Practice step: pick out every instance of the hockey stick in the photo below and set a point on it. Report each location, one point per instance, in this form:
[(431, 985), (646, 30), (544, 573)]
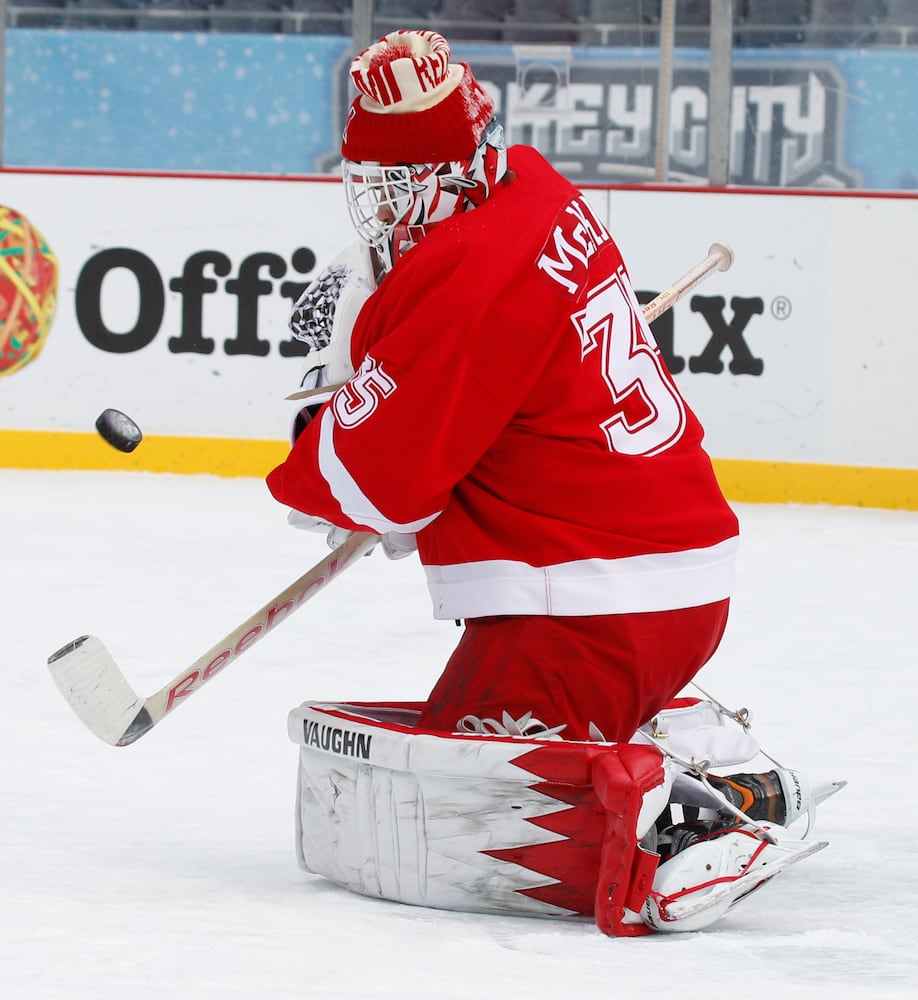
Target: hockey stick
[(719, 258), (91, 682)]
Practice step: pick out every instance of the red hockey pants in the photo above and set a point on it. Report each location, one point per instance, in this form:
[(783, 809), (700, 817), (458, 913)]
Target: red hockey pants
[(616, 671)]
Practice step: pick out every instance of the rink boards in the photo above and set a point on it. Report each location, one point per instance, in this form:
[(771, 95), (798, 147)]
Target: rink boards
[(174, 293)]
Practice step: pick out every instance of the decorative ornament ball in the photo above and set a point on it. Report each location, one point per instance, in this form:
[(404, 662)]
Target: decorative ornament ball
[(28, 290)]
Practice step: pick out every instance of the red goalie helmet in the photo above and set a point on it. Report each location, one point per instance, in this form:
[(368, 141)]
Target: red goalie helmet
[(420, 143)]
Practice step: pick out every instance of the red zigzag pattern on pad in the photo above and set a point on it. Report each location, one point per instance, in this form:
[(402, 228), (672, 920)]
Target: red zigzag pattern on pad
[(603, 789)]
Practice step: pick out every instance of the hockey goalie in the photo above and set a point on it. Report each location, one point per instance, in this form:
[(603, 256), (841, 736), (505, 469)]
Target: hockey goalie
[(487, 392)]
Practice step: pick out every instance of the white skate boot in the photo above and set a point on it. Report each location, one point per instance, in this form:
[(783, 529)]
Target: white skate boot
[(697, 885)]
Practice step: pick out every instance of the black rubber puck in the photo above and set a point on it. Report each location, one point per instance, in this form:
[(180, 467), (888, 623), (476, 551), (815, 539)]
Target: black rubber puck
[(119, 430)]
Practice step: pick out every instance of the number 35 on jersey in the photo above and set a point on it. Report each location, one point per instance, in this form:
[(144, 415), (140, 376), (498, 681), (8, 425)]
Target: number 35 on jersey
[(646, 412)]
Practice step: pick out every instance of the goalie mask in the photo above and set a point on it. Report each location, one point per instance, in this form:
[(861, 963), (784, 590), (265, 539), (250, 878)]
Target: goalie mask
[(420, 144), (393, 206)]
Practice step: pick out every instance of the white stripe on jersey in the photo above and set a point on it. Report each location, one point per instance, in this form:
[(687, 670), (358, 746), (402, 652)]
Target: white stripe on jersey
[(662, 581), (354, 502)]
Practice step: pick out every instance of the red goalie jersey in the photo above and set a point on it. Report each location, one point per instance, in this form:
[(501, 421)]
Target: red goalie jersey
[(512, 408)]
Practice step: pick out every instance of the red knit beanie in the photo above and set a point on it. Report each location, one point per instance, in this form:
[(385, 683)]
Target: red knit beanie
[(414, 105)]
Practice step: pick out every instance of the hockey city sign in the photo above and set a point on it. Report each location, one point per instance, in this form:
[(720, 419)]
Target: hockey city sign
[(786, 124)]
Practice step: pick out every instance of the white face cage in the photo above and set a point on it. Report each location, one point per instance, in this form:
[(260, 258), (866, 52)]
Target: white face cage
[(391, 206), (378, 198)]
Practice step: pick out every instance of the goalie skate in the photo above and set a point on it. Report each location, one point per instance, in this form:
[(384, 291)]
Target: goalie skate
[(696, 887)]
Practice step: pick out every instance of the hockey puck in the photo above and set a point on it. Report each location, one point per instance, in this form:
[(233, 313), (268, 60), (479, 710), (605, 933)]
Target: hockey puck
[(119, 430)]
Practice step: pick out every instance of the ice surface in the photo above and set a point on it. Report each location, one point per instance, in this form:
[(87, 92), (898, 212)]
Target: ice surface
[(167, 869)]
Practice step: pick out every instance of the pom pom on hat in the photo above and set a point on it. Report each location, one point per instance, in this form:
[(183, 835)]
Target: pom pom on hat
[(415, 106)]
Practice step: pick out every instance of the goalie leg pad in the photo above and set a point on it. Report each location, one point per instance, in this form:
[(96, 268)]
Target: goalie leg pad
[(491, 824)]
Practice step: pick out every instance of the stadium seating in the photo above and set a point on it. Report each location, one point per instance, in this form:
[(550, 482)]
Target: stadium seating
[(757, 23)]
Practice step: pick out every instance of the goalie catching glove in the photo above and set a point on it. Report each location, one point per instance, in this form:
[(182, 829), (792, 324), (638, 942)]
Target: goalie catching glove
[(327, 310), (314, 312), (323, 319)]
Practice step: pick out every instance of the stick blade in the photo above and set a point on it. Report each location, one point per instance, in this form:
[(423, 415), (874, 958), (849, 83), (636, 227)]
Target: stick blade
[(94, 687)]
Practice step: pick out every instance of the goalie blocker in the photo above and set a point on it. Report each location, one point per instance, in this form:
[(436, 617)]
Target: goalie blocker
[(528, 826)]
